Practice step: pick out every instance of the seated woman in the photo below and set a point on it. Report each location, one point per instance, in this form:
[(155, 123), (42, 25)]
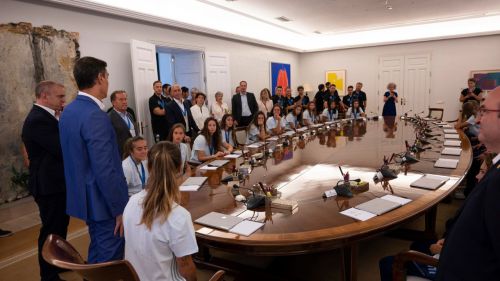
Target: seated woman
[(159, 231), (331, 113), (310, 117), (135, 153), (276, 124), (257, 130), (227, 131), (355, 111), (292, 118), (208, 144), (176, 136)]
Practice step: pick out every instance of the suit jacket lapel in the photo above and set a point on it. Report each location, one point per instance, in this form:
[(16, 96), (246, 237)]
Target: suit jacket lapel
[(44, 112)]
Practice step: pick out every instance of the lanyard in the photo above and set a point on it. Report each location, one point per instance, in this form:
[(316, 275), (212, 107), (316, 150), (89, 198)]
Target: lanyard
[(142, 175), (331, 114), (162, 103), (313, 117), (227, 136), (128, 122), (211, 148)]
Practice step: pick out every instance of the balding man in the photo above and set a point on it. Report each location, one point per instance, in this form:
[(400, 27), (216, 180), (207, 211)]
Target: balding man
[(179, 111), (244, 106), (46, 182), (471, 250), (121, 120)]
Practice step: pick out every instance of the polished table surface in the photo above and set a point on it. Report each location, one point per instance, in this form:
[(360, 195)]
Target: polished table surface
[(308, 167)]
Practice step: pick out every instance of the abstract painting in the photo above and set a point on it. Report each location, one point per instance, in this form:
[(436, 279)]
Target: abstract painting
[(280, 76), (337, 77), (486, 79)]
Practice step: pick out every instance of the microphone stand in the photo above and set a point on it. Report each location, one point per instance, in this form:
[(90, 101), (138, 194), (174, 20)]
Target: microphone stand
[(253, 202)]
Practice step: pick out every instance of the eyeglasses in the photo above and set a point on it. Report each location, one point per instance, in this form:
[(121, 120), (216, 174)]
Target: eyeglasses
[(482, 111)]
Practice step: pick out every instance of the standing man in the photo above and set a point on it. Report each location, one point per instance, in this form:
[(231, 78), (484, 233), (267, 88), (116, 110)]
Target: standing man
[(471, 250), (319, 98), (185, 96), (157, 104), (46, 182), (301, 99), (360, 96), (348, 99), (179, 111), (244, 106), (122, 121), (96, 187), (279, 98)]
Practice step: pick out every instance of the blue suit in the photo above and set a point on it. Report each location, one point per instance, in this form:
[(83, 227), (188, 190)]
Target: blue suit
[(95, 183)]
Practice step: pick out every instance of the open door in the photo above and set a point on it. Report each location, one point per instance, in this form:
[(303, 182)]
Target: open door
[(144, 73), (188, 70), (218, 76)]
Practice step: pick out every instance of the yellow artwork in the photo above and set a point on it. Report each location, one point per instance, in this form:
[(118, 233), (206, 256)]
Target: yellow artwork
[(337, 77)]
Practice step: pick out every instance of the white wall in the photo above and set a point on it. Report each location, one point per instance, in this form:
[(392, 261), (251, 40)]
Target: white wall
[(451, 63), (108, 38)]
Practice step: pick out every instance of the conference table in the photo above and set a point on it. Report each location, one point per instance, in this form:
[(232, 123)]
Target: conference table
[(304, 168)]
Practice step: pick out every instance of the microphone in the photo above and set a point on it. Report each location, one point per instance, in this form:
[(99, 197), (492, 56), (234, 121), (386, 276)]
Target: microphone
[(405, 115), (253, 202)]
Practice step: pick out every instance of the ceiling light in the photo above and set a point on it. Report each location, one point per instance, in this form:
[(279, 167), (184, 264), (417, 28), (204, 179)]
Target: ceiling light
[(283, 19), (388, 6)]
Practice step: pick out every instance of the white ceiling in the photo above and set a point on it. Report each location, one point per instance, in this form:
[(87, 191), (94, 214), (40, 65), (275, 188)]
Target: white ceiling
[(341, 23)]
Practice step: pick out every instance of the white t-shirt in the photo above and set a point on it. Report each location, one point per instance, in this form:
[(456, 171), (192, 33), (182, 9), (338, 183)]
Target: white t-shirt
[(152, 252), (330, 117), (133, 174), (253, 134), (291, 119), (227, 137), (473, 126), (200, 144), (307, 116), (185, 153), (200, 114), (350, 113), (271, 123)]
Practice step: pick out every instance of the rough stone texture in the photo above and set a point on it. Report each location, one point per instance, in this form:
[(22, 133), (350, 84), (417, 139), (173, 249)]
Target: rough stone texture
[(28, 55)]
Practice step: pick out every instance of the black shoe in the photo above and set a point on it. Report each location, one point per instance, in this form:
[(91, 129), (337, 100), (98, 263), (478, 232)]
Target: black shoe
[(5, 233)]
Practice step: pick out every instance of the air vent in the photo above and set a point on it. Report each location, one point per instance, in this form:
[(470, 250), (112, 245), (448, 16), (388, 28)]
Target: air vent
[(283, 19)]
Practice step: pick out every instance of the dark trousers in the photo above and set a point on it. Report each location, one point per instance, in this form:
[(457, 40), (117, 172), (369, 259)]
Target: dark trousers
[(54, 221), (104, 245), (245, 121), (413, 268)]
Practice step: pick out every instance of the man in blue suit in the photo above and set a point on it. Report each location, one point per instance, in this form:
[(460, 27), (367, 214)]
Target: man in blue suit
[(95, 183)]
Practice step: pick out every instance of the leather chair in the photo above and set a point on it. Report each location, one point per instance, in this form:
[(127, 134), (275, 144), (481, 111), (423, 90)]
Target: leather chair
[(403, 258), (436, 113), (60, 253)]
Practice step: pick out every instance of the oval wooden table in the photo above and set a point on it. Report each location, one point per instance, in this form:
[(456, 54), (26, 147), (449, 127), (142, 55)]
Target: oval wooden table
[(308, 167)]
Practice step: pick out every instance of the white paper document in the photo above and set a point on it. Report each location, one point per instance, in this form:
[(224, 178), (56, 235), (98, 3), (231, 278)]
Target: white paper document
[(358, 214), (431, 182), (447, 126), (288, 133), (451, 151), (452, 136), (255, 145), (192, 183), (397, 199), (450, 131), (232, 156), (301, 129), (246, 227), (208, 168), (446, 163), (452, 143), (274, 138)]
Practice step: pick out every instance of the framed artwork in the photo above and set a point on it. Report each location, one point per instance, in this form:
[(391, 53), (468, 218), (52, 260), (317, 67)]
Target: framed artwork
[(337, 77), (487, 80), (280, 76)]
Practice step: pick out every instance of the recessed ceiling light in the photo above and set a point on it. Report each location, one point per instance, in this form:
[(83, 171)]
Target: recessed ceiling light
[(283, 19)]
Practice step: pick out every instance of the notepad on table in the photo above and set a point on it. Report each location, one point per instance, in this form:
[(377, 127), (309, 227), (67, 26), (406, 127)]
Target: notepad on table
[(218, 163), (358, 214), (450, 131), (246, 227), (452, 143), (431, 182), (232, 156), (446, 163), (192, 183), (255, 145), (451, 151), (288, 133), (301, 129), (452, 136), (378, 206), (396, 199)]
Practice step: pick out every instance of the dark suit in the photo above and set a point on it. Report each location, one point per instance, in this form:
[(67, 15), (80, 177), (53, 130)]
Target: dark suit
[(96, 188), (472, 248), (237, 109), (175, 115), (122, 129), (46, 182)]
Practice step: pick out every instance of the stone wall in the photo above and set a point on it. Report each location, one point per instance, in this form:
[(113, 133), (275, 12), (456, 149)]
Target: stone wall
[(28, 55)]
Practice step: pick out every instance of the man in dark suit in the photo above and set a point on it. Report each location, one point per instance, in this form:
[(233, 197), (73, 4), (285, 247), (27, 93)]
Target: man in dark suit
[(157, 104), (244, 106), (471, 250), (123, 123), (46, 182), (179, 111), (95, 184)]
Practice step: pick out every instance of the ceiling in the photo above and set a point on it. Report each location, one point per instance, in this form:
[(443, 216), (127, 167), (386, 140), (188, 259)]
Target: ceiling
[(314, 24)]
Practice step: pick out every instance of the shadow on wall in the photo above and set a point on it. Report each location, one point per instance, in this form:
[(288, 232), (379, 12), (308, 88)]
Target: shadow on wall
[(28, 55)]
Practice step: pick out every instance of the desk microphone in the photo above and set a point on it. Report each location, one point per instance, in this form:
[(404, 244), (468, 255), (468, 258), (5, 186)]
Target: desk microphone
[(405, 115), (253, 202)]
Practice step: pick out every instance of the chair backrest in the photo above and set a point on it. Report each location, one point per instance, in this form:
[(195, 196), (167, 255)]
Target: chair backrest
[(60, 253), (218, 276), (436, 113), (241, 135)]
